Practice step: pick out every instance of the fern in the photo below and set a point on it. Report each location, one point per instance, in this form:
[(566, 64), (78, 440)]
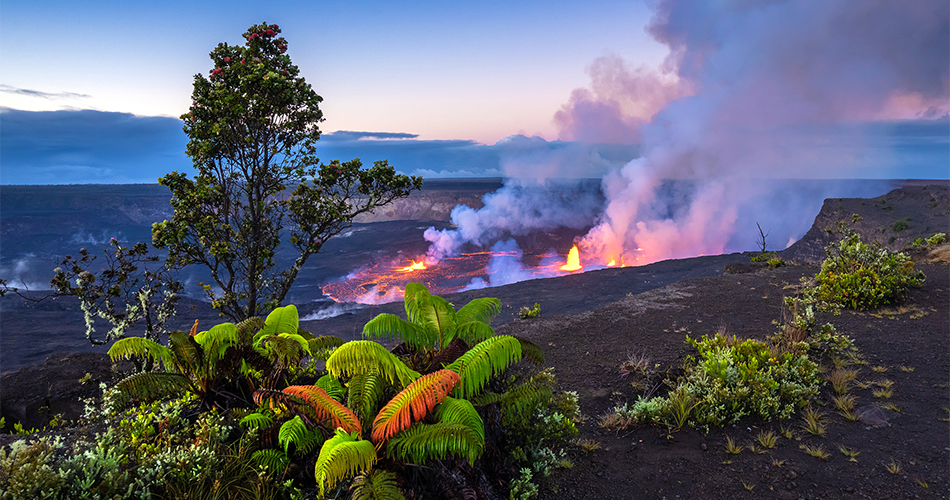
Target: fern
[(342, 456), (322, 346), (531, 352), (248, 328), (187, 353), (391, 327), (482, 310), (271, 459), (280, 320), (474, 332), (433, 313), (366, 392), (257, 421), (413, 403), (334, 388), (150, 385), (422, 442), (139, 347), (295, 432), (327, 408), (286, 348), (523, 399), (361, 356), (485, 360), (277, 401), (376, 485), (460, 411)]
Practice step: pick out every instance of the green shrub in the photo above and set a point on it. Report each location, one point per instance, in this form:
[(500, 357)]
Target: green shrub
[(899, 226), (527, 312), (861, 276), (936, 239), (733, 378)]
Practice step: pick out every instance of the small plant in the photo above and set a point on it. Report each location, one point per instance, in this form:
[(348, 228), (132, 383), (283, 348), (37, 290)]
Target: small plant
[(748, 487), (813, 422), (731, 447), (532, 312), (884, 383), (899, 226), (882, 393), (851, 453), (845, 405), (892, 407), (587, 445), (923, 484), (936, 239), (879, 369), (85, 378), (777, 463), (906, 369), (841, 379), (767, 439), (893, 467), (816, 451), (786, 432)]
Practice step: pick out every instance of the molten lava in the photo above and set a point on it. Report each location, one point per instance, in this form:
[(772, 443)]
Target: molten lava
[(415, 266), (573, 261)]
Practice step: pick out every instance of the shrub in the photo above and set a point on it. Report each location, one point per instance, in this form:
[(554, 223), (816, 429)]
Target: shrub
[(899, 226), (936, 239), (528, 312), (861, 276)]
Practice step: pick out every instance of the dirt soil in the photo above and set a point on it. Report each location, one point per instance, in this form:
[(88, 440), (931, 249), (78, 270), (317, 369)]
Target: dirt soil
[(592, 322)]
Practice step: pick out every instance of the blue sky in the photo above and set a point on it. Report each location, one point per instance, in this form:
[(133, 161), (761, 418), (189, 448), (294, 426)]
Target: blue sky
[(91, 90)]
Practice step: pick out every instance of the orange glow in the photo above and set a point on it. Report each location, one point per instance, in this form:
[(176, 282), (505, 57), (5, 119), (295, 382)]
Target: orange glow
[(612, 263), (573, 261), (416, 266)]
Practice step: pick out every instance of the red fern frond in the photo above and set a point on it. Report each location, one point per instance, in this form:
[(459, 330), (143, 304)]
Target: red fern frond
[(326, 407), (413, 403)]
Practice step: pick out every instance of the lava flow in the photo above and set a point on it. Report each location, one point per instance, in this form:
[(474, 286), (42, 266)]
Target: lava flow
[(384, 282)]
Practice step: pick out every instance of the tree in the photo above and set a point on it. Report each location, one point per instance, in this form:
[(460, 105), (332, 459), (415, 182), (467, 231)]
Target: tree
[(252, 127), (125, 291)]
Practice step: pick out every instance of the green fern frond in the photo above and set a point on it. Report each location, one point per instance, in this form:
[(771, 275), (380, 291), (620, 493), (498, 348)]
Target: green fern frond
[(531, 352), (485, 360), (150, 386), (139, 347), (334, 388), (247, 328), (280, 320), (361, 356), (474, 332), (295, 432), (343, 455), (423, 442), (365, 394), (413, 403), (392, 327), (272, 459), (376, 485), (187, 354), (257, 420), (487, 398), (327, 408), (215, 343), (482, 310), (287, 349), (322, 346), (522, 400), (437, 318), (460, 411)]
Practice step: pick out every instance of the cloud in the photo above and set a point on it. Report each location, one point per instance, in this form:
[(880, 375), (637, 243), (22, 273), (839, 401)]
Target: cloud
[(42, 95), (347, 135), (85, 146)]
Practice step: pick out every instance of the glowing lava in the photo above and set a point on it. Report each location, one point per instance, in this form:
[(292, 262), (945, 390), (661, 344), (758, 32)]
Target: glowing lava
[(573, 261), (415, 266)]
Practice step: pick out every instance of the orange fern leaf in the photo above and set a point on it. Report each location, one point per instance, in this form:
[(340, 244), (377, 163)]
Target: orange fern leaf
[(194, 329), (326, 407), (413, 403)]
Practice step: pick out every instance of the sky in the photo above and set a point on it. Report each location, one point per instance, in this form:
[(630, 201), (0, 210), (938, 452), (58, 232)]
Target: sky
[(91, 91)]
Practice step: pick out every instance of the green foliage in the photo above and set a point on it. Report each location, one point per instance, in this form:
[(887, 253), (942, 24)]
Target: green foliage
[(899, 226), (343, 455), (530, 312), (432, 323), (376, 485), (26, 471), (861, 276), (252, 129), (129, 289), (770, 258), (413, 403), (936, 239), (422, 442), (363, 356), (733, 378), (485, 360)]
